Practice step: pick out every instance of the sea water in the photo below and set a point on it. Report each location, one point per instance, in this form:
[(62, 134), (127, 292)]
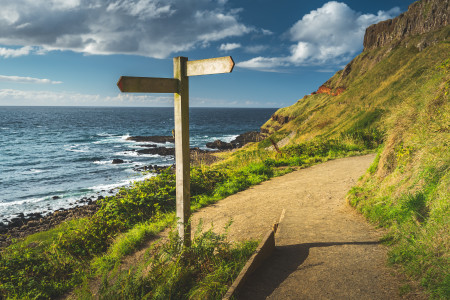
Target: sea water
[(52, 156)]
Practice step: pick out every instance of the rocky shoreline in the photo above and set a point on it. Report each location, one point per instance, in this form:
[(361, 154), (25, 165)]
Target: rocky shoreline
[(25, 224)]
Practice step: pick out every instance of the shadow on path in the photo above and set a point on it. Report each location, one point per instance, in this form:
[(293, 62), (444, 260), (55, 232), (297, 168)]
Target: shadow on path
[(284, 261)]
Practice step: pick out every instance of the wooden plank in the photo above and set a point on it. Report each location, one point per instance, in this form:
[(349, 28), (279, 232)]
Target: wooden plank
[(210, 66), (182, 157), (129, 84)]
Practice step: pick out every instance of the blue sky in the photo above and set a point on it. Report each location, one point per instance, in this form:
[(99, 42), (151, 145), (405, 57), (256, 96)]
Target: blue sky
[(72, 52)]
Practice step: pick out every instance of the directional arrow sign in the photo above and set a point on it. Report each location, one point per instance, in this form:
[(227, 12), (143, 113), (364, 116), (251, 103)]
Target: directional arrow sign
[(179, 85), (128, 84), (210, 66)]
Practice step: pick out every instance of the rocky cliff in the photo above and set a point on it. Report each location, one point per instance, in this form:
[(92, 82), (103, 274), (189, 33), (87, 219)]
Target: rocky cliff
[(323, 89), (424, 27), (422, 17)]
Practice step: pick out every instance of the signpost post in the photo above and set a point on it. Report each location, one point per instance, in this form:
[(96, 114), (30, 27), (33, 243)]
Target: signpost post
[(179, 85)]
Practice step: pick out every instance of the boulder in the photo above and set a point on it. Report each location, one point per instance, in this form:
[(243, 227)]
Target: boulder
[(220, 145), (163, 151), (152, 139)]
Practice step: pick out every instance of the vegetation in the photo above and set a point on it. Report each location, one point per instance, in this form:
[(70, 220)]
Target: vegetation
[(396, 102), (204, 270), (396, 97), (49, 264), (407, 188)]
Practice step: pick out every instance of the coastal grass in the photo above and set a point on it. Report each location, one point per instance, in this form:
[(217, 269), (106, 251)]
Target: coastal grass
[(406, 190), (203, 270), (396, 98), (51, 263)]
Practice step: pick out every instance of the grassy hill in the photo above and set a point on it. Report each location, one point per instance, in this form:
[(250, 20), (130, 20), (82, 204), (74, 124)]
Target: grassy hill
[(396, 96), (392, 99)]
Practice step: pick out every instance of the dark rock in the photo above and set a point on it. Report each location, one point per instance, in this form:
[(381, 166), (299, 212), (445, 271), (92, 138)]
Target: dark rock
[(421, 17), (245, 138), (238, 142), (34, 216), (100, 197), (152, 139), (55, 197), (152, 168), (117, 161), (33, 223), (163, 151), (220, 145)]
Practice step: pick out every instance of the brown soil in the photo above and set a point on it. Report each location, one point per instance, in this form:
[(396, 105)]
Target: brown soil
[(324, 249)]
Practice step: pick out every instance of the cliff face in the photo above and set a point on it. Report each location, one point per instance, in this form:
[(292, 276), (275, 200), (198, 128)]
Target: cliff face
[(367, 82), (422, 17), (323, 89)]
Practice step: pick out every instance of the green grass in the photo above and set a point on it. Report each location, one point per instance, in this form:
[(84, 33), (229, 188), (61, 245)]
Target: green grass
[(396, 102), (407, 188), (51, 263), (204, 270), (397, 99)]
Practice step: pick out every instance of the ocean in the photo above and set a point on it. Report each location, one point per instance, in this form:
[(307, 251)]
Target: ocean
[(50, 157)]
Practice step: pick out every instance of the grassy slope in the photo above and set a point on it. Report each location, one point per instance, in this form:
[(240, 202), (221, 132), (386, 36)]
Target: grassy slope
[(403, 94), (379, 80), (400, 92)]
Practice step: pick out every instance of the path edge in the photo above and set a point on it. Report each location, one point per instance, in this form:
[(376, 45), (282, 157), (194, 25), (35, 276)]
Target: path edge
[(263, 252)]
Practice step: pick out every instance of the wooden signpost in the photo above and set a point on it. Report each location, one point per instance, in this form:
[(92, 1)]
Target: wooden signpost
[(179, 85)]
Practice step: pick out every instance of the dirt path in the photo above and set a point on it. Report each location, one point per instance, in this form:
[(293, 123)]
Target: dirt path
[(325, 250)]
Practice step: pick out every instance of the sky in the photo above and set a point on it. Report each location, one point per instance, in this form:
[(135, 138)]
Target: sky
[(72, 52)]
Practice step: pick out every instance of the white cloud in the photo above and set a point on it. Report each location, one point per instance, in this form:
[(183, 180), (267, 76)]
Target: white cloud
[(331, 34), (20, 79), (268, 64), (266, 32), (229, 46), (14, 97), (154, 28), (20, 98), (9, 52)]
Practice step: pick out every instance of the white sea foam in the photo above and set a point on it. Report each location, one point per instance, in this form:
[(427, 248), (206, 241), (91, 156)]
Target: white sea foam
[(33, 171), (110, 138), (102, 162), (228, 138), (150, 155), (127, 153), (73, 148), (104, 134), (21, 202), (125, 137), (106, 187), (135, 154)]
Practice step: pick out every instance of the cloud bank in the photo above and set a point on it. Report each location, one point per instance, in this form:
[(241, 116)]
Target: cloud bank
[(153, 28), (20, 79), (8, 52), (20, 98), (13, 97), (332, 34)]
